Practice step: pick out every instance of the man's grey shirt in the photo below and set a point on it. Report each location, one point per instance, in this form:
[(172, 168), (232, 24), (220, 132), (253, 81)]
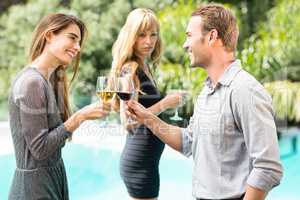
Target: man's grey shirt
[(232, 137)]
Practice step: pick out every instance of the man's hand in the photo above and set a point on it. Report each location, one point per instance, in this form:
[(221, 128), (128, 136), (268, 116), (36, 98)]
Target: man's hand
[(254, 193), (169, 134), (137, 111)]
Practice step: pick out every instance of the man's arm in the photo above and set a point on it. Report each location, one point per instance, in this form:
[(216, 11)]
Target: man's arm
[(169, 134), (170, 101), (252, 107)]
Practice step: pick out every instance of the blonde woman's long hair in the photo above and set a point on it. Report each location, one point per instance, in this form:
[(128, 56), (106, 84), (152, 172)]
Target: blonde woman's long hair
[(138, 20), (55, 22)]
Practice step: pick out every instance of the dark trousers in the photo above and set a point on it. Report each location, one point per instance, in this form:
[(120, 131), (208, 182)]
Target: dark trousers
[(239, 198)]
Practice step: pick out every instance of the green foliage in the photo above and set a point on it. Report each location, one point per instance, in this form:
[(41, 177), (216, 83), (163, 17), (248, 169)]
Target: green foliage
[(176, 76), (286, 99), (3, 111), (273, 52), (174, 71), (16, 28), (269, 43), (104, 20), (155, 5), (173, 21), (272, 56)]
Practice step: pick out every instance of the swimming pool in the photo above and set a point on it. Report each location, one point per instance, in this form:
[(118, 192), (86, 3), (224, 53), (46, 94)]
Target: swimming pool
[(92, 164), (94, 174)]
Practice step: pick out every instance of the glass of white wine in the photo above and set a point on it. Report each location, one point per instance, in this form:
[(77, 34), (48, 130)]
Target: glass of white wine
[(105, 90)]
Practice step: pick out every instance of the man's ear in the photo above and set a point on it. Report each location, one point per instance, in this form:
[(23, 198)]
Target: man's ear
[(213, 36)]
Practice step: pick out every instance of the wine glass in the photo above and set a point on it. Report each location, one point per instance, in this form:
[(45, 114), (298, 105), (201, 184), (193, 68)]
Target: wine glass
[(105, 90), (176, 117), (125, 87), (125, 91)]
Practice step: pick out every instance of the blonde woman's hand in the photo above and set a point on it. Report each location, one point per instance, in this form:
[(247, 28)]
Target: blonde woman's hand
[(173, 100)]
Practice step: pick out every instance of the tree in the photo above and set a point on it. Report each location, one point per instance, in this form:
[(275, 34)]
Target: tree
[(16, 28), (4, 4), (272, 53), (174, 71), (103, 19)]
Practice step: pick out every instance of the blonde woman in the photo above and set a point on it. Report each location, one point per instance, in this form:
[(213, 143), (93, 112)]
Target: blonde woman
[(40, 117), (137, 46)]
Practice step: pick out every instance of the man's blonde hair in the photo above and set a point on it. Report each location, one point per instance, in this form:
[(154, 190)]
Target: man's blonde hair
[(216, 16)]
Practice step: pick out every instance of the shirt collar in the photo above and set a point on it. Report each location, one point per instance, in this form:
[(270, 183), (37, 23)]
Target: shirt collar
[(230, 73), (227, 76)]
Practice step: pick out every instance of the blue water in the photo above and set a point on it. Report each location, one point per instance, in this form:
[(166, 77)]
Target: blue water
[(94, 174)]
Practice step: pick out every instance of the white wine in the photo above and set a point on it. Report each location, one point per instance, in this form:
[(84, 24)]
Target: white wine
[(105, 95)]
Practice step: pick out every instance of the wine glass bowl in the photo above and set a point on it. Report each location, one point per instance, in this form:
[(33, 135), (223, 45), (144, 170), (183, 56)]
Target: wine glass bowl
[(125, 88), (183, 100), (105, 90), (105, 96)]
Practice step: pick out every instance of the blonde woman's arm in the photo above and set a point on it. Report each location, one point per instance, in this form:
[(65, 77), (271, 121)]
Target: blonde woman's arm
[(170, 101)]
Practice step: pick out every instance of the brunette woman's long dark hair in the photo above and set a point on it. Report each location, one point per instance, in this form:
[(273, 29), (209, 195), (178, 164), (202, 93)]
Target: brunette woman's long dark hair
[(55, 23)]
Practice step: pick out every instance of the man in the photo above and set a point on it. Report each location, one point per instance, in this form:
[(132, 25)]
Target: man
[(232, 134)]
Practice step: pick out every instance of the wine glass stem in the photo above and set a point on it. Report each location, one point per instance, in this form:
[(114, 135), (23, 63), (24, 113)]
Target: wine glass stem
[(105, 121), (176, 113), (130, 119)]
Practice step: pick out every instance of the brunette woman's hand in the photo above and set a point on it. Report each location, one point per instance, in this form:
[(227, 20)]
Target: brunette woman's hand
[(89, 112), (95, 110)]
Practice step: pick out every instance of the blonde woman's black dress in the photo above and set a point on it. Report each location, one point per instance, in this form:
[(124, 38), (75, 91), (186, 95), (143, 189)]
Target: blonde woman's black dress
[(140, 157)]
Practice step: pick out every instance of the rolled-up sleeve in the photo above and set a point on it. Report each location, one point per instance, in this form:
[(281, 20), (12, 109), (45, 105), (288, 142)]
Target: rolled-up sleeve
[(187, 139), (254, 113)]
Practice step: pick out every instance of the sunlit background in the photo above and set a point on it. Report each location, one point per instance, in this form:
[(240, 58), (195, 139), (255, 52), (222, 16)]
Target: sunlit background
[(268, 48)]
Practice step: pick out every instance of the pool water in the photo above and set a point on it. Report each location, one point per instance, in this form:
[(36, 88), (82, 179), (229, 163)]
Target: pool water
[(93, 174)]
